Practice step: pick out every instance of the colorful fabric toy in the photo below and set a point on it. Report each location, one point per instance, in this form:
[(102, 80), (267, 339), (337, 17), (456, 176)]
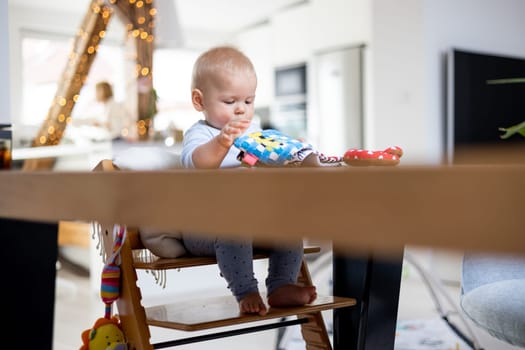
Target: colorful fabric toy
[(110, 281), (106, 334), (270, 147)]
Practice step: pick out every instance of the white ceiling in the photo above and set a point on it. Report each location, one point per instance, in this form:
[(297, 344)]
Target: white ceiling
[(202, 17), (230, 15)]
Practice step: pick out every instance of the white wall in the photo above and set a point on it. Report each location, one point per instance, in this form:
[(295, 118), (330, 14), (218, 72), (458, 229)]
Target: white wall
[(409, 41), (397, 72), (256, 44), (339, 23), (318, 25), (5, 117)]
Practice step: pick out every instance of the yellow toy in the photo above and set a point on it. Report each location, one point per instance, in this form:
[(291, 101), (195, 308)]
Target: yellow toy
[(105, 334)]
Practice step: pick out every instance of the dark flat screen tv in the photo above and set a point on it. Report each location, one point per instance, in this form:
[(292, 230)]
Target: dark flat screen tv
[(486, 92)]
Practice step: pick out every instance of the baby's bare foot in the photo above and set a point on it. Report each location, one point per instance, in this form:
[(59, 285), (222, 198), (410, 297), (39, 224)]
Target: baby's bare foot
[(292, 295), (253, 304)]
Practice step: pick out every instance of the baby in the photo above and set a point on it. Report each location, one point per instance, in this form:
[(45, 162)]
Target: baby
[(223, 89)]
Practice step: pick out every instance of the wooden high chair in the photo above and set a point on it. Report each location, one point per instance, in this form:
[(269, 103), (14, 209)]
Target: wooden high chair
[(205, 314)]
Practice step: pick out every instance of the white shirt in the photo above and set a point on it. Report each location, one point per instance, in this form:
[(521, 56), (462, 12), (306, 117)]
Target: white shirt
[(200, 133)]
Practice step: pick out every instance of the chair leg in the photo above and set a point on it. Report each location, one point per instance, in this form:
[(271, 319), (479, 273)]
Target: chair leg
[(130, 310), (314, 331)]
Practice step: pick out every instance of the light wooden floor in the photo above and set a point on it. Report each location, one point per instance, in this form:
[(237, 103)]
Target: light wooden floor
[(77, 306)]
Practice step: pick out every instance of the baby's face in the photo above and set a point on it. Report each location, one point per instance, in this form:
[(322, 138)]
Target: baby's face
[(228, 97)]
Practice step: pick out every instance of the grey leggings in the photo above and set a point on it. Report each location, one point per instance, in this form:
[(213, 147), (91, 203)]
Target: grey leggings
[(235, 260)]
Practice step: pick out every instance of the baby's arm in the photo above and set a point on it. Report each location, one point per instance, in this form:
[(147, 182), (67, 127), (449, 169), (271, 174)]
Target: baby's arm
[(211, 154)]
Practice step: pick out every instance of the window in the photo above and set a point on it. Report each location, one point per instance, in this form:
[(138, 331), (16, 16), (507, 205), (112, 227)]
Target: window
[(172, 69), (43, 62)]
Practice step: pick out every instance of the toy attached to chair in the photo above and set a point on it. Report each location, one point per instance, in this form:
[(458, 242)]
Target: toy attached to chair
[(272, 148), (106, 333)]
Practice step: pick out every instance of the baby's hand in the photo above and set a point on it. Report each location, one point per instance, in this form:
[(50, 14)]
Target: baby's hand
[(235, 128)]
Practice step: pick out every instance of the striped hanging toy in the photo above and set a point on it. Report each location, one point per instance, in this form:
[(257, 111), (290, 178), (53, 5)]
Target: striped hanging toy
[(110, 284)]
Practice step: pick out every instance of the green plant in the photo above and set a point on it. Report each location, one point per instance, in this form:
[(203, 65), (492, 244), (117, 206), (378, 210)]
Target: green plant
[(152, 107), (515, 129)]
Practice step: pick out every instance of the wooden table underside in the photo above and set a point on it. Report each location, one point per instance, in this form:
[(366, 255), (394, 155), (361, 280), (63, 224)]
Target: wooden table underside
[(475, 207)]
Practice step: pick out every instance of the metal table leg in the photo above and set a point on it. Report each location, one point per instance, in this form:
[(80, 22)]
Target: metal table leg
[(29, 250), (375, 282)]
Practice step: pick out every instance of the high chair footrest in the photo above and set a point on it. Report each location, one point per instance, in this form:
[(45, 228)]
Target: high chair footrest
[(224, 311)]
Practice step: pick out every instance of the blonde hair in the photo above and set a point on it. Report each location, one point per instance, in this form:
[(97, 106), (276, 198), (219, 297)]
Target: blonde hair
[(219, 59)]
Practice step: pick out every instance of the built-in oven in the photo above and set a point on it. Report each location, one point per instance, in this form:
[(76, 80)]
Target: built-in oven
[(288, 112)]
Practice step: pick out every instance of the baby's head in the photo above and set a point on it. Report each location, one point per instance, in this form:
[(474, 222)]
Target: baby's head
[(103, 91), (219, 63), (223, 85)]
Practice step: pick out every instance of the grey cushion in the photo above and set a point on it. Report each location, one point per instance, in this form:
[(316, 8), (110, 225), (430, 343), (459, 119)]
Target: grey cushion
[(147, 158), (162, 243), (493, 295)]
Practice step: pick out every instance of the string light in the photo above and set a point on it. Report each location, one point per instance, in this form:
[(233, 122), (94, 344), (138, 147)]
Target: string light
[(141, 15)]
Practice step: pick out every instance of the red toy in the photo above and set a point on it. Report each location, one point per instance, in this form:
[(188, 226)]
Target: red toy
[(363, 157)]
